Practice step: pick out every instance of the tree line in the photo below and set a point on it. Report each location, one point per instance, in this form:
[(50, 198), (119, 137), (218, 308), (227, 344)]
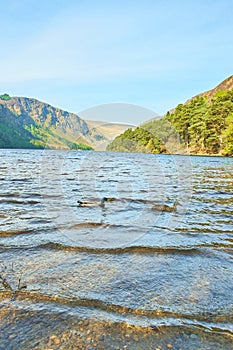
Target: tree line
[(204, 126)]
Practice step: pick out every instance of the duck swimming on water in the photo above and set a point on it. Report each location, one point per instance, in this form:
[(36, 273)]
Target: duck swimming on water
[(93, 204), (165, 207)]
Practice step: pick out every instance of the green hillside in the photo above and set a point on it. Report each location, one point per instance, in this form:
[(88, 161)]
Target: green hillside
[(28, 123), (206, 126), (138, 140), (203, 125)]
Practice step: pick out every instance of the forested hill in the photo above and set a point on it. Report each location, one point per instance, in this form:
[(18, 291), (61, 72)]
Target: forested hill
[(138, 140), (203, 125)]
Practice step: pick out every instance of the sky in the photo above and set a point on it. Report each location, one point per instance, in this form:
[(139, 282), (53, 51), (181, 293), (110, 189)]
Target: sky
[(77, 54)]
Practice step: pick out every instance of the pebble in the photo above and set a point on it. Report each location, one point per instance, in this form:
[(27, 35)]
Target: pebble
[(52, 337), (169, 346), (85, 323), (56, 341), (11, 336), (193, 336)]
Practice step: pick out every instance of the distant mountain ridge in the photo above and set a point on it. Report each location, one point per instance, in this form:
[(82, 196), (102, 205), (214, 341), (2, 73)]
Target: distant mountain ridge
[(30, 123), (109, 130)]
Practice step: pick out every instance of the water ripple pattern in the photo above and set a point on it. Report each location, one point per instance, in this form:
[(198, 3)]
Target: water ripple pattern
[(137, 261)]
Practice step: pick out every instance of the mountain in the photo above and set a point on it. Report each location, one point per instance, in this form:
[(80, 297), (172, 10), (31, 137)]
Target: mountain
[(203, 125), (225, 85), (29, 123), (109, 130)]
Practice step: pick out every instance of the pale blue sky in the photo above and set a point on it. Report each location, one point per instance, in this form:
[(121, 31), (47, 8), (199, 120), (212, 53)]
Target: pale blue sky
[(78, 54)]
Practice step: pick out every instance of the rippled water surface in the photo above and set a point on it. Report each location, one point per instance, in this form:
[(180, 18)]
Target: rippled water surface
[(132, 274)]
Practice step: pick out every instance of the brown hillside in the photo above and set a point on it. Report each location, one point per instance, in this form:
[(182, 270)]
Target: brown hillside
[(226, 84)]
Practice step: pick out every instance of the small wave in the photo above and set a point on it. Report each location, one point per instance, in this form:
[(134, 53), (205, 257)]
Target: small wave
[(154, 318), (14, 233), (40, 221), (25, 232), (11, 201), (21, 180), (130, 200), (95, 224), (11, 195), (50, 196), (123, 250), (125, 200), (17, 201), (88, 225), (19, 195), (2, 216)]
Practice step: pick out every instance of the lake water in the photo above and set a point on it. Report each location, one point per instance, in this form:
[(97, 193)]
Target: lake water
[(122, 276)]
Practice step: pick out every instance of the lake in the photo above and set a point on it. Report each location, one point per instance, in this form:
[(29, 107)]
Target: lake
[(126, 275)]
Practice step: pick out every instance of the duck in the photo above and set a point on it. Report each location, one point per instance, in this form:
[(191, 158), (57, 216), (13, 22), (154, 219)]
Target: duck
[(165, 207), (93, 204)]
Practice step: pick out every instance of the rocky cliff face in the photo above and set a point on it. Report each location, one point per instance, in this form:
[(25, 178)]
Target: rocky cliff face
[(41, 124), (32, 110)]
